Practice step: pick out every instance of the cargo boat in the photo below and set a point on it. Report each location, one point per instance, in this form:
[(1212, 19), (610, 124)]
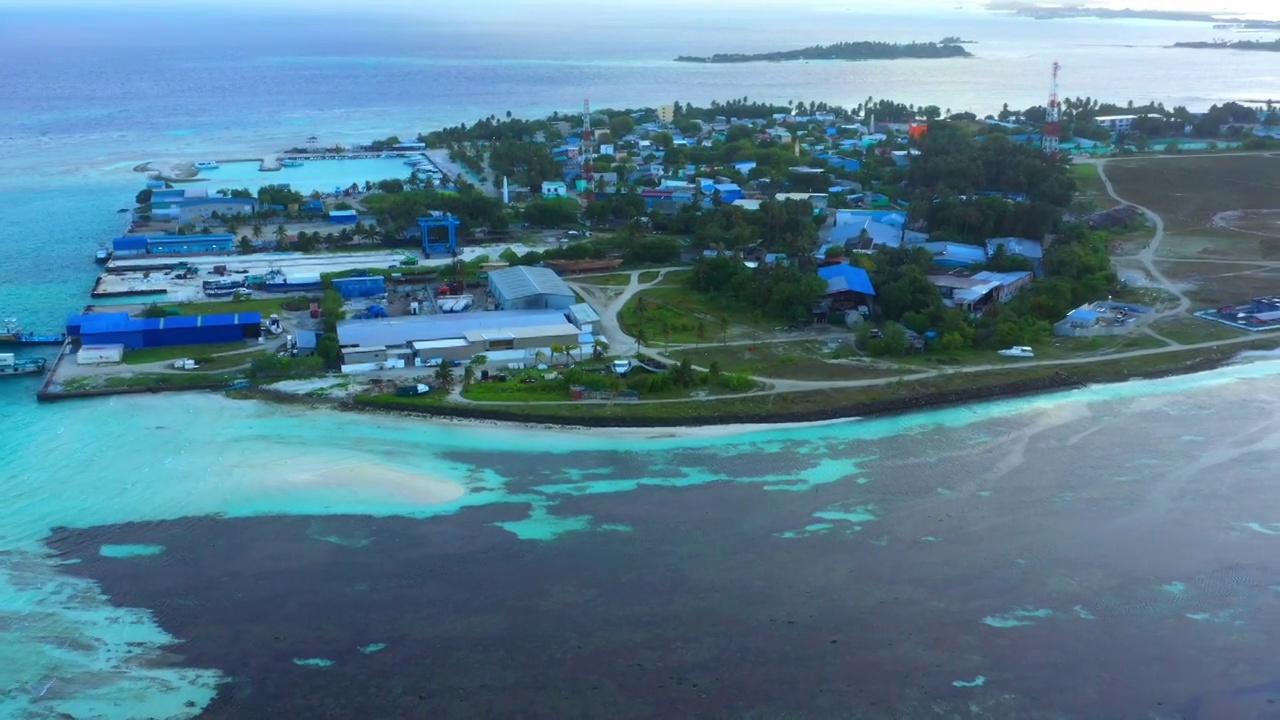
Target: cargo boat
[(13, 334), (9, 365)]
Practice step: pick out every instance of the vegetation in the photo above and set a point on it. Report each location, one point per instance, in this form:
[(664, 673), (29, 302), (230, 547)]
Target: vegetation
[(841, 51), (199, 353), (781, 292), (1260, 45)]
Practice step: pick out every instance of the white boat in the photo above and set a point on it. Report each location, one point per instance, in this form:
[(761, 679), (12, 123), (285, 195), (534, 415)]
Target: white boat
[(1017, 351), (207, 165), (290, 163)]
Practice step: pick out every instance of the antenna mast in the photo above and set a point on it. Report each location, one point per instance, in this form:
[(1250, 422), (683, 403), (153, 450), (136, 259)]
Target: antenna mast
[(1053, 117), (588, 171)]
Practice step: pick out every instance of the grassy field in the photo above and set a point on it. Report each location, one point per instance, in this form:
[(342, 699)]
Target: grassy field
[(648, 276), (672, 313), (611, 280), (1187, 192), (159, 380), (804, 360), (1190, 330), (199, 353), (1090, 183)]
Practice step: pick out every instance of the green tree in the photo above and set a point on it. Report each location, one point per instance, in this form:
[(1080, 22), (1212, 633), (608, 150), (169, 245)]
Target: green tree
[(444, 377), (620, 126), (281, 235), (328, 349), (258, 232), (468, 375), (245, 246)]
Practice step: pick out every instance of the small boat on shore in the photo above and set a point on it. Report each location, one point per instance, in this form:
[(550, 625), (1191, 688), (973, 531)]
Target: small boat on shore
[(207, 165), (10, 365), (12, 334), (1017, 351), (103, 256)]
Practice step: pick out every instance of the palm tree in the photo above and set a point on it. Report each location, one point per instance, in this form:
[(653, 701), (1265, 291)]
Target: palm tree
[(600, 346), (468, 375), (281, 234), (444, 376), (568, 350), (479, 360), (231, 227), (539, 357), (257, 231), (556, 350), (370, 234)]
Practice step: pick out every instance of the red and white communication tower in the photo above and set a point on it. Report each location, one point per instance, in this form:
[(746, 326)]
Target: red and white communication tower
[(1053, 117), (588, 171)]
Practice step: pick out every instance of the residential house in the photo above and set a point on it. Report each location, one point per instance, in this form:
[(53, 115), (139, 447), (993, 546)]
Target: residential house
[(848, 287), (868, 235), (729, 192), (747, 203), (745, 166), (819, 200), (892, 218), (554, 189), (974, 293), (951, 254)]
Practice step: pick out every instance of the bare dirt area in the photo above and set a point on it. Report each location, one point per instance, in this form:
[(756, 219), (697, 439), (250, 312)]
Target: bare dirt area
[(1211, 284), (1221, 218)]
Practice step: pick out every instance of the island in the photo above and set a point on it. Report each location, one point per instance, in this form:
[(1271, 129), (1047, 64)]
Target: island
[(956, 40), (841, 51), (1259, 45), (1076, 11)]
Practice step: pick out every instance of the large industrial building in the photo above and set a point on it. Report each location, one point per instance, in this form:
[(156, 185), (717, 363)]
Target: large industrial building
[(503, 336), (133, 333), (136, 245), (529, 288)]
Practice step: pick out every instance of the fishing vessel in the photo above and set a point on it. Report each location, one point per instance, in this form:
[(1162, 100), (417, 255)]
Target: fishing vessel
[(103, 256), (207, 165), (10, 365), (12, 334), (290, 163)]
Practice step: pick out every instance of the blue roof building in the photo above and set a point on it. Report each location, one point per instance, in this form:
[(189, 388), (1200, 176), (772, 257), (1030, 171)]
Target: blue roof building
[(213, 244), (343, 217), (846, 279), (951, 254), (133, 333)]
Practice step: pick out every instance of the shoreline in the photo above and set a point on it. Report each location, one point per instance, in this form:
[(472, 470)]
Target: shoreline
[(837, 411)]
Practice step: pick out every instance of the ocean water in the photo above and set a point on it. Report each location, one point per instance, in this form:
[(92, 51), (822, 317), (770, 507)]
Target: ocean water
[(1106, 552)]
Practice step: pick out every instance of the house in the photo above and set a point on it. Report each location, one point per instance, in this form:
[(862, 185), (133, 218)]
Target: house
[(951, 254), (554, 189), (748, 203), (1116, 123), (343, 217), (745, 166), (974, 293), (819, 200), (848, 287), (892, 218), (729, 192)]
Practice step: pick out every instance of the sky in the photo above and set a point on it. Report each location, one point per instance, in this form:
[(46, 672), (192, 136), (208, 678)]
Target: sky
[(1221, 6)]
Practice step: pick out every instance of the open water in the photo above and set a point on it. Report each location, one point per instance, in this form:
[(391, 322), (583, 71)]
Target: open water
[(1102, 553)]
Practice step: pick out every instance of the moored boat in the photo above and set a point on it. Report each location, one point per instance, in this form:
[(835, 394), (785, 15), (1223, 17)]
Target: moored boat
[(13, 334), (103, 256), (207, 165), (1017, 351), (290, 163), (10, 365)]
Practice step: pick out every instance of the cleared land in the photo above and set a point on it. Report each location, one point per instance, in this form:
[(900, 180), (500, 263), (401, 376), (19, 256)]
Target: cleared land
[(800, 360), (1214, 253), (675, 314)]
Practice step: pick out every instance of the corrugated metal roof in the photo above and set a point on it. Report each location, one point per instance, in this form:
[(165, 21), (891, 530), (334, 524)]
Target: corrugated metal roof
[(406, 329), (121, 322), (846, 278), (521, 282), (583, 313)]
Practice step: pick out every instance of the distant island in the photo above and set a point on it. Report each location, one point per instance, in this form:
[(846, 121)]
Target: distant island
[(956, 40), (1076, 11), (1259, 45), (841, 51)]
